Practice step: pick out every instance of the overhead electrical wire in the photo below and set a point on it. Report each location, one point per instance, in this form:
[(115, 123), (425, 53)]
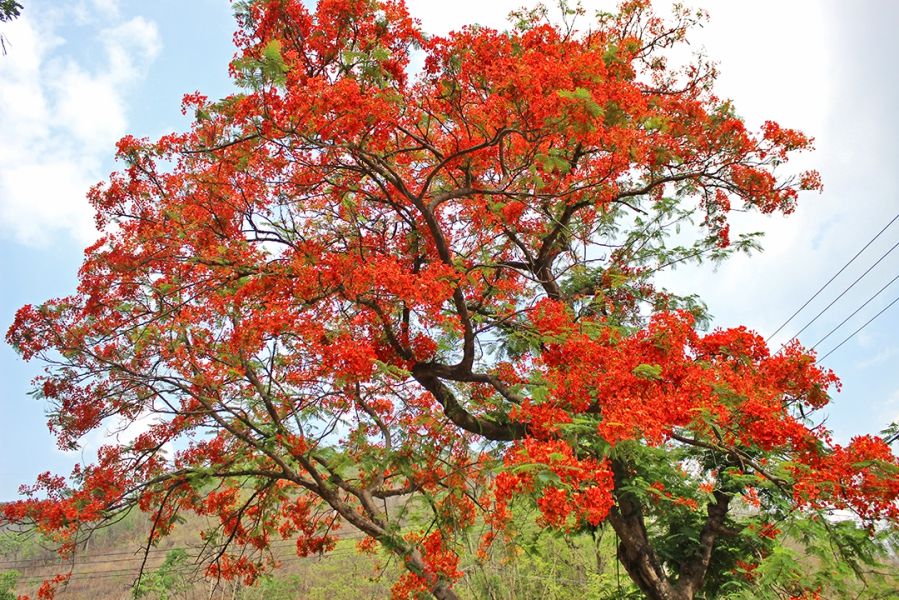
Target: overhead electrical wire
[(137, 555), (856, 311), (843, 293), (89, 558), (829, 281), (868, 322), (121, 573)]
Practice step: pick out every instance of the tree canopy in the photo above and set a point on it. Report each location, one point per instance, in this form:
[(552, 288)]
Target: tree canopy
[(396, 265), (9, 10)]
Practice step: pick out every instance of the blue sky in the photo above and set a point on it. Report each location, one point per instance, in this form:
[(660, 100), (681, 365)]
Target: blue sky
[(79, 75)]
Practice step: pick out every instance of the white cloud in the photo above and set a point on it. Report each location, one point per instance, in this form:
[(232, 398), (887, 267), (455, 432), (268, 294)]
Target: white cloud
[(61, 117), (108, 8), (88, 11), (879, 359), (129, 45)]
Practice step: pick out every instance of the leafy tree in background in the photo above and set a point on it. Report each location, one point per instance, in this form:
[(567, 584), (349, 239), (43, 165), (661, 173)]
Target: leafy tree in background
[(8, 581), (350, 285), (166, 582), (9, 10)]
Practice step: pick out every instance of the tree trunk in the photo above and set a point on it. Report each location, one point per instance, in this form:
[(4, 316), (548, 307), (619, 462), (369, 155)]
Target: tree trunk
[(640, 561), (638, 557), (442, 591)]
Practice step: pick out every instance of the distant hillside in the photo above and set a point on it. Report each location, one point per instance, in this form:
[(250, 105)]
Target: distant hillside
[(107, 567), (550, 567)]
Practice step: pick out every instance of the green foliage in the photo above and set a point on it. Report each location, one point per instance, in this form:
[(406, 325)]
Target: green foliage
[(840, 558), (537, 564), (9, 10), (268, 69), (168, 581), (273, 588), (643, 247), (8, 580), (342, 574), (16, 545), (9, 543), (772, 554), (645, 371), (584, 97)]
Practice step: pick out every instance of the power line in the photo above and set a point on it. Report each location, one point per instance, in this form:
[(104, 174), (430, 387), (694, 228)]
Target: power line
[(829, 281), (137, 555), (868, 322), (843, 293), (124, 571), (855, 312), (83, 575)]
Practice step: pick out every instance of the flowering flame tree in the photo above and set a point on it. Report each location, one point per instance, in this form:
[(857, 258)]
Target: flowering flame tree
[(398, 265)]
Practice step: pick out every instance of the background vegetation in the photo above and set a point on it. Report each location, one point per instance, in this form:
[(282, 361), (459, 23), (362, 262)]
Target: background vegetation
[(532, 563)]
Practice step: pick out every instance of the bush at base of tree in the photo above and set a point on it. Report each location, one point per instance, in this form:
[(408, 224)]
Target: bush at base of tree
[(8, 581)]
